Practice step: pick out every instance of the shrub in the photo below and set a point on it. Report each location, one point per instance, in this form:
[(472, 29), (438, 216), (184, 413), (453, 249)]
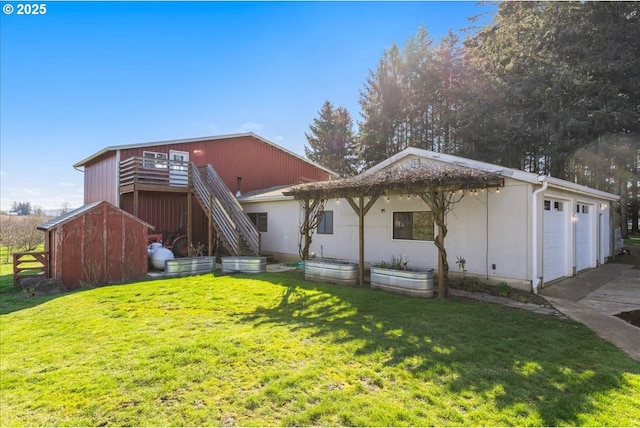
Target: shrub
[(503, 289)]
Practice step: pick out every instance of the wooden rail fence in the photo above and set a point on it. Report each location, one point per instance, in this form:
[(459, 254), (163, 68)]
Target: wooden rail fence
[(28, 265)]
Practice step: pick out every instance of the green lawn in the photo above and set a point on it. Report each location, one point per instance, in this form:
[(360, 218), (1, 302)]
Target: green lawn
[(276, 350)]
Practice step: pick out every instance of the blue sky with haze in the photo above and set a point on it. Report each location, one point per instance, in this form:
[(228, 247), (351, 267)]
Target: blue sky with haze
[(86, 75)]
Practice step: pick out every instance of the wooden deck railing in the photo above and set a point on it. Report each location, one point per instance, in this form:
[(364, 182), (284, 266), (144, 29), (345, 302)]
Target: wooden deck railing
[(30, 264), (137, 170)]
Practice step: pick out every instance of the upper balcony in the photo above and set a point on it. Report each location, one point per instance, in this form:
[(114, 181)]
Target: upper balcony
[(160, 175)]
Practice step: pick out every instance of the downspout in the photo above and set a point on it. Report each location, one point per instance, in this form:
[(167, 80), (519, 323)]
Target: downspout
[(535, 278)]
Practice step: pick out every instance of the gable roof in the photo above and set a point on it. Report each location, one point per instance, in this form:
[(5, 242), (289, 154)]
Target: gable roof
[(73, 214), (199, 139), (515, 174)]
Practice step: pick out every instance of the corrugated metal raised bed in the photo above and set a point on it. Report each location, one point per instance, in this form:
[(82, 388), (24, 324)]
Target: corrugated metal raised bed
[(189, 266), (333, 271), (244, 264), (411, 282)]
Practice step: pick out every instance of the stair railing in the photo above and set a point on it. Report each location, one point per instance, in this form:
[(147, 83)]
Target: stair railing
[(216, 210), (244, 225)]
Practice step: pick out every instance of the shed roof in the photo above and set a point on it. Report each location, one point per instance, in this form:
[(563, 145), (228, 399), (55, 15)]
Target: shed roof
[(275, 193), (73, 214)]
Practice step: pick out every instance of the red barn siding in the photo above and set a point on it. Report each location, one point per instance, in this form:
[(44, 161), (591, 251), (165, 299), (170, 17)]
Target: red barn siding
[(163, 211), (100, 179), (260, 164)]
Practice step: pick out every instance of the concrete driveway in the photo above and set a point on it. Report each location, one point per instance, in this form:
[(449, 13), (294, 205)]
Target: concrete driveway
[(594, 296)]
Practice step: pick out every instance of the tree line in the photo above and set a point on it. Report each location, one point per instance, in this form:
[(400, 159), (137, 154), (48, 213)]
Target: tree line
[(546, 87)]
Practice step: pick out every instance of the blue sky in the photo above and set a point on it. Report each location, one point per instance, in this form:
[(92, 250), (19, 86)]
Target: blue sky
[(86, 75)]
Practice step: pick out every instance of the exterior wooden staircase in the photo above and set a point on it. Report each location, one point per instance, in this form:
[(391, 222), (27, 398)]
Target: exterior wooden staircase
[(237, 233)]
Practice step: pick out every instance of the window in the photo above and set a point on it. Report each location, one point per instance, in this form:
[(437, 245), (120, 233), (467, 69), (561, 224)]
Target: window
[(325, 225), (260, 220), (155, 160), (557, 206), (584, 209), (416, 225)]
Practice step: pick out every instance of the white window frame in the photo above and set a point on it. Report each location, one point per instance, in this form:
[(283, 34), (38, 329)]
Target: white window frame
[(155, 160)]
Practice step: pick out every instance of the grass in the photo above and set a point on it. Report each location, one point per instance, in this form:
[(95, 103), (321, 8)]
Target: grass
[(633, 240), (274, 349)]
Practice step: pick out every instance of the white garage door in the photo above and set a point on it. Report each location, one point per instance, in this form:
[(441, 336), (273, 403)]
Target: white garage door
[(555, 239), (583, 237)]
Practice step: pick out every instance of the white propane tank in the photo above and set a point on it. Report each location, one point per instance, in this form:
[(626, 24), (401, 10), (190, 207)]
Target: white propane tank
[(159, 256), (152, 247)]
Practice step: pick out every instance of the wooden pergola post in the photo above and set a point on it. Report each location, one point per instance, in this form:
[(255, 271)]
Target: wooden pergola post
[(361, 210)]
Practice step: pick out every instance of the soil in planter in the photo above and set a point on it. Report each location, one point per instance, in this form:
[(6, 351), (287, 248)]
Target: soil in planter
[(473, 285), (632, 317)]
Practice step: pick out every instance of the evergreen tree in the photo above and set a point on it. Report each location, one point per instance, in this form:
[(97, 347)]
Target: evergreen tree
[(410, 100), (381, 103), (331, 140)]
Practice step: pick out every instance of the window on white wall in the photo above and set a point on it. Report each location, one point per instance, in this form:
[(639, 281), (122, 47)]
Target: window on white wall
[(155, 160), (325, 225), (413, 225), (260, 220)]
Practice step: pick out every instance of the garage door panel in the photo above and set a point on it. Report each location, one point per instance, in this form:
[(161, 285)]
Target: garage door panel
[(555, 240), (583, 237)]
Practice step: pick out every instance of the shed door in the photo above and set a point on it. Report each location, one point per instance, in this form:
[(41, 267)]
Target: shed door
[(583, 236), (178, 168), (555, 239)]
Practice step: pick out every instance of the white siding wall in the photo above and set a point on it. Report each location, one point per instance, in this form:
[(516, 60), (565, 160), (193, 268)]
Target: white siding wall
[(282, 225), (488, 228), (502, 240)]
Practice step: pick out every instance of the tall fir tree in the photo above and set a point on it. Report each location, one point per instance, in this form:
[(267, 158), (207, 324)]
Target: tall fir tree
[(411, 98), (332, 142)]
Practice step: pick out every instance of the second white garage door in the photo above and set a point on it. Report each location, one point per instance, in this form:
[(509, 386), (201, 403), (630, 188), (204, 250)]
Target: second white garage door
[(583, 237)]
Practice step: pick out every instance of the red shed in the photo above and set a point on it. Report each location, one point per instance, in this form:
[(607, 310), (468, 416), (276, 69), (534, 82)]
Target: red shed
[(96, 243)]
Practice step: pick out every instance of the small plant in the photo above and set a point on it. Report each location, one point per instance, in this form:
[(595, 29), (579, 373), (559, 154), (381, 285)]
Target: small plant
[(461, 262), (503, 289), (396, 263), (93, 275)]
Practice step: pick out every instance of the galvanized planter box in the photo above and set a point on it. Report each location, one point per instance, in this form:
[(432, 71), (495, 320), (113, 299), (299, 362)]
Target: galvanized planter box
[(244, 264), (332, 271), (410, 282), (189, 266)]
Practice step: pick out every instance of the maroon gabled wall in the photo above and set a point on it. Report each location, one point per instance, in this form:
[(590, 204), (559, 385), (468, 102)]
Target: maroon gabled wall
[(103, 243)]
